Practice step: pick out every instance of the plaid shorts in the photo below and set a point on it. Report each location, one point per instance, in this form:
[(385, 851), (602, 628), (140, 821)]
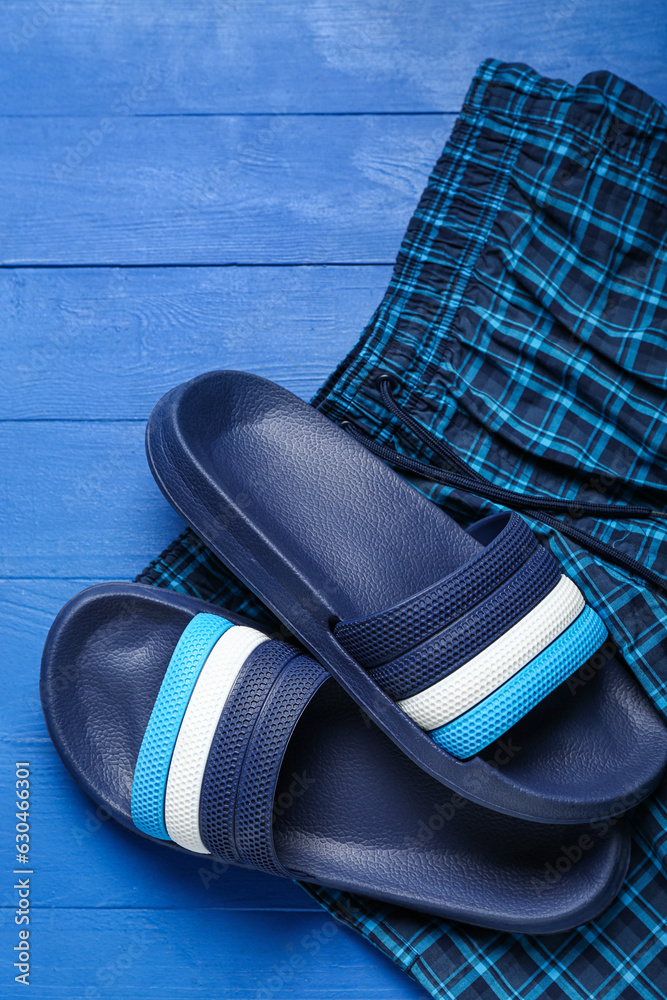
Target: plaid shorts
[(526, 322)]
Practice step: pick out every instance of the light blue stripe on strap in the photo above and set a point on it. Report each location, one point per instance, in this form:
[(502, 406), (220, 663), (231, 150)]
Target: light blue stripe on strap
[(150, 775), (499, 711)]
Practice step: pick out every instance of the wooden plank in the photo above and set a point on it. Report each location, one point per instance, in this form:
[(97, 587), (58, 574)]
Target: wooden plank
[(260, 190), (173, 56), (79, 500), (107, 343), (132, 954)]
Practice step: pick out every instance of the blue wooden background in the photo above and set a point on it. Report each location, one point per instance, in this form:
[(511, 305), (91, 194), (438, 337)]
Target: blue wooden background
[(191, 184)]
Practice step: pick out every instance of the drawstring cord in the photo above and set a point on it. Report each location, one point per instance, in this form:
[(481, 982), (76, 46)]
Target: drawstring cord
[(461, 476)]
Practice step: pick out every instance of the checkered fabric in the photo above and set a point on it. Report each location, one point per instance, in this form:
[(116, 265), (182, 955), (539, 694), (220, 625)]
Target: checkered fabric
[(526, 324)]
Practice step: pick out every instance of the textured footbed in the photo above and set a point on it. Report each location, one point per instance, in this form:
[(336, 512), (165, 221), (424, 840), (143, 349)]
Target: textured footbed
[(188, 762), (351, 811), (324, 532)]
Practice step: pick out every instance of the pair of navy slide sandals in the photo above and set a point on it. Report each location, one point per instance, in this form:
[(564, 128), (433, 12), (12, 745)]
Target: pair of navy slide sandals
[(429, 752)]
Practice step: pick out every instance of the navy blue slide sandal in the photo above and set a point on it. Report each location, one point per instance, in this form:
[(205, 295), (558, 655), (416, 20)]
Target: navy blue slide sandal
[(458, 644), (196, 730)]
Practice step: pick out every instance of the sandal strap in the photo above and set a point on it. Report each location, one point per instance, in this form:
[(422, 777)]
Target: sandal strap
[(478, 649), (462, 689), (296, 684), (189, 760), (388, 634), (230, 743), (491, 718), (149, 783), (473, 632), (210, 759)]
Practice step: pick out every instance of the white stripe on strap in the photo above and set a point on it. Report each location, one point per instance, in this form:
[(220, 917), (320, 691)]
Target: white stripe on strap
[(461, 690), (188, 763)]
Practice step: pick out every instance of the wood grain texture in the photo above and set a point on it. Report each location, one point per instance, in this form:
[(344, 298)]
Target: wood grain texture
[(80, 501), (184, 954), (260, 190), (175, 137), (99, 343), (175, 56)]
